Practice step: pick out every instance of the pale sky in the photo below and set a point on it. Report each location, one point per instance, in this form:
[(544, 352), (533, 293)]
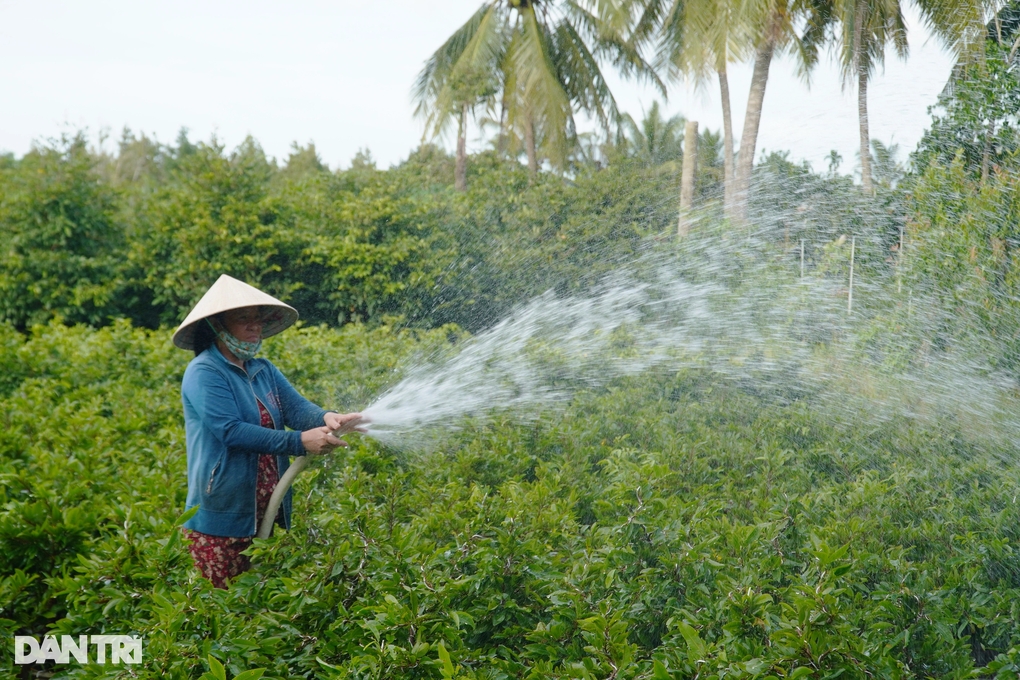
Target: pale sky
[(340, 74)]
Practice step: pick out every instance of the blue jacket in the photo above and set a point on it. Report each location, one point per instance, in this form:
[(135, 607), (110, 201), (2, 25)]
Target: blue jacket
[(225, 438)]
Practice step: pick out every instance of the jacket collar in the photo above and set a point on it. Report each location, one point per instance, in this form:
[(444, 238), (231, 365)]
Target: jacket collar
[(216, 355)]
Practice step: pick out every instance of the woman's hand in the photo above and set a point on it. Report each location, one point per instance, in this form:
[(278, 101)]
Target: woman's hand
[(320, 440), (342, 423)]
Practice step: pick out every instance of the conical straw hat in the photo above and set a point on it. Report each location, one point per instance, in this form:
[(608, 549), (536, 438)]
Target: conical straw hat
[(229, 293)]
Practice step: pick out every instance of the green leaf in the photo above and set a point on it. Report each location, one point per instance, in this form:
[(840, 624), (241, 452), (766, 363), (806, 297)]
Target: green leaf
[(186, 515), (696, 649), (444, 656), (253, 674), (327, 665), (216, 668)]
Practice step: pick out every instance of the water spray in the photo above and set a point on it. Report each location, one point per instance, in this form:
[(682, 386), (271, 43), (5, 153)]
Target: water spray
[(716, 306), (713, 306)]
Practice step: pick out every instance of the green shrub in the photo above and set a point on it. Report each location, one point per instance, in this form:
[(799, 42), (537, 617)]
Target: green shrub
[(61, 240), (663, 525)]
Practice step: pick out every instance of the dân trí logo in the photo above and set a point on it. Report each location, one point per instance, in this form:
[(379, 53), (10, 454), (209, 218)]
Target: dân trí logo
[(107, 649)]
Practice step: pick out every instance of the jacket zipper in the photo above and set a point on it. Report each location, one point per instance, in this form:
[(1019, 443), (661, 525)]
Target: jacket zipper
[(255, 516), (258, 401), (250, 387), (208, 488)]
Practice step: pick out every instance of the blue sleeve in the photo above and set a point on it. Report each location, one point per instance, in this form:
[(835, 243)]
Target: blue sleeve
[(298, 412), (214, 403)]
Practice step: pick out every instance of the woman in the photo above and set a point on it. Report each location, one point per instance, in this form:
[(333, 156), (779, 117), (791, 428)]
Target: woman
[(235, 410)]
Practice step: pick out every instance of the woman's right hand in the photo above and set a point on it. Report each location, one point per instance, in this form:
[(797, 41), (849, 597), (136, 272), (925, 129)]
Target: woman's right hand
[(320, 440)]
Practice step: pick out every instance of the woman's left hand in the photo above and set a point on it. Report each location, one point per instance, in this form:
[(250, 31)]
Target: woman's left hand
[(341, 423)]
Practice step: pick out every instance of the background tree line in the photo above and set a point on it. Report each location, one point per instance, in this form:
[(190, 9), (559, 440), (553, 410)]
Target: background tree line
[(90, 236)]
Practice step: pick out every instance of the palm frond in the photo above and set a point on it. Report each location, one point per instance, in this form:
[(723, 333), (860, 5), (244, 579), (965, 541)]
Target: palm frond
[(862, 30), (649, 17), (540, 87), (607, 31), (579, 72), (960, 25), (673, 40)]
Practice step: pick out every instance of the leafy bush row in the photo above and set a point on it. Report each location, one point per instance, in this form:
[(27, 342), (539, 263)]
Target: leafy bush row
[(669, 525), (89, 237)]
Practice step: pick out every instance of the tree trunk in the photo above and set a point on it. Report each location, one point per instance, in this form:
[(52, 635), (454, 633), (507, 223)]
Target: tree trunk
[(460, 172), (749, 137), (529, 143), (688, 177), (862, 114), (724, 90), (501, 144)]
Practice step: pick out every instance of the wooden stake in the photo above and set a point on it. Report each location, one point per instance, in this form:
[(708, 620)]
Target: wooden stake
[(690, 171), (850, 296), (899, 266)]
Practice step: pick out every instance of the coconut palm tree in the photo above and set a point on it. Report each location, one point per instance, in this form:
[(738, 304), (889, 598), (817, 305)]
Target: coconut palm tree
[(772, 28), (862, 29), (445, 92), (698, 39), (888, 171), (655, 140), (539, 61)]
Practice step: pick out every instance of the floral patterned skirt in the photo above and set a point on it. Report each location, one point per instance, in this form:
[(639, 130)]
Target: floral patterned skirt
[(219, 558)]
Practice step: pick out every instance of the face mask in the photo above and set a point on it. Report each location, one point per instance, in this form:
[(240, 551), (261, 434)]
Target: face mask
[(244, 351)]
